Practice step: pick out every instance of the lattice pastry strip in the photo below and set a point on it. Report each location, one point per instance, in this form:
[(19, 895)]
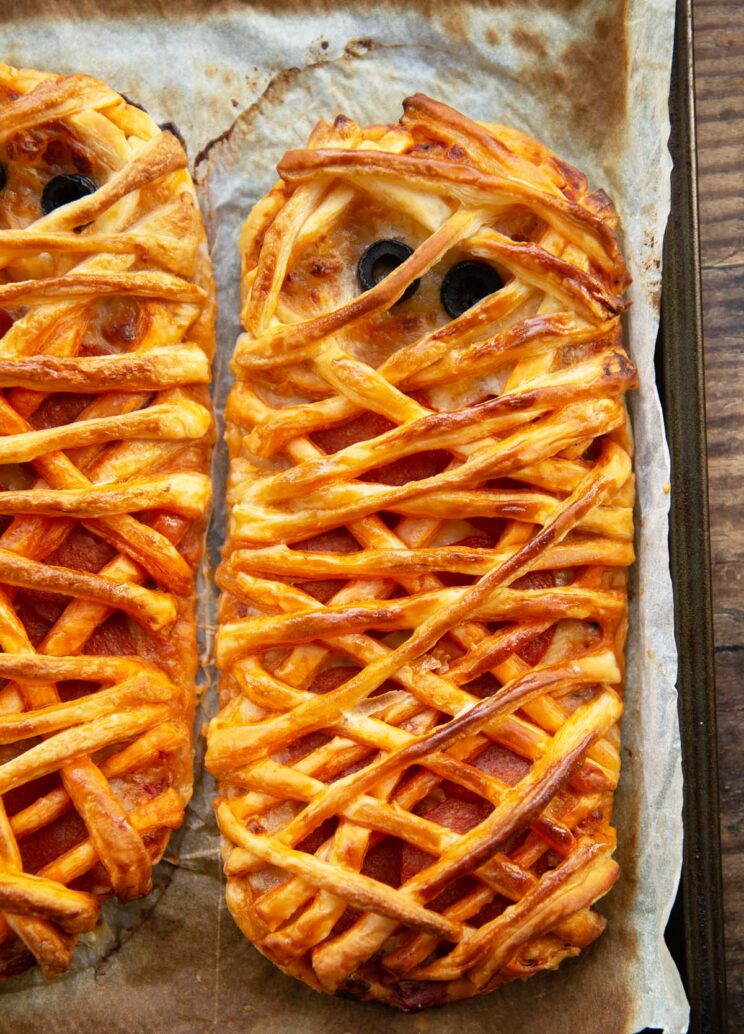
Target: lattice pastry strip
[(424, 585), (106, 315)]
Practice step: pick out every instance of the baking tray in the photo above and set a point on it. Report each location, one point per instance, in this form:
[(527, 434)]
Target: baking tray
[(695, 930)]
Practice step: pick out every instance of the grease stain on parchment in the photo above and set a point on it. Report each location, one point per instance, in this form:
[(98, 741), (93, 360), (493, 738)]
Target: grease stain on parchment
[(274, 93), (586, 80)]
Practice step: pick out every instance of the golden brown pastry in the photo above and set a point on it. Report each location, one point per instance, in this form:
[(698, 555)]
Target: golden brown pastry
[(424, 585), (106, 324)]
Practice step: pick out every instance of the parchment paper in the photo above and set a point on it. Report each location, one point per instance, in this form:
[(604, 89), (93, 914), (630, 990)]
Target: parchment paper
[(244, 83)]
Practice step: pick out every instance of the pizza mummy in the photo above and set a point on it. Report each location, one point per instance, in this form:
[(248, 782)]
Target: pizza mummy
[(423, 606), (106, 317)]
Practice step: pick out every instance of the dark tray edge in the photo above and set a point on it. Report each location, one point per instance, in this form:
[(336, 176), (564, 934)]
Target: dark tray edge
[(695, 931)]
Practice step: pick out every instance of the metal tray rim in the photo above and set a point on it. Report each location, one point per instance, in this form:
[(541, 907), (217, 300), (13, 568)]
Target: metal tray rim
[(695, 930)]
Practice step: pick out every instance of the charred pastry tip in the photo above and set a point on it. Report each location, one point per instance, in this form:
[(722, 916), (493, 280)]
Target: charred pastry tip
[(601, 204), (289, 162), (618, 364), (575, 181), (614, 304), (628, 370), (416, 100), (133, 104), (172, 128), (353, 987), (626, 366)]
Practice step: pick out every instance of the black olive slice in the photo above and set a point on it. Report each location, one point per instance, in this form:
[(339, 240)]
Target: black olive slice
[(3, 176), (62, 190), (380, 259), (466, 283)]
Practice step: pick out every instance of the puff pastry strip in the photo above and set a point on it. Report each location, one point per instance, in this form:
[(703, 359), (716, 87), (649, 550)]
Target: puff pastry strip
[(424, 584), (106, 315)]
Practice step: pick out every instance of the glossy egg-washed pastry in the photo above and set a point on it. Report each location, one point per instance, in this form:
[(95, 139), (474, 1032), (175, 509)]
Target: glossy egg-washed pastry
[(424, 584), (106, 324)]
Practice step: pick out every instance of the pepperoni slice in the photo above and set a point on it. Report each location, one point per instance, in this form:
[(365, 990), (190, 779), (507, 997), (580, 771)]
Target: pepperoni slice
[(332, 678), (484, 685), (335, 540), (73, 689), (6, 322), (383, 862), (485, 540), (458, 813), (355, 766), (503, 764), (534, 651), (491, 526), (191, 546), (21, 797), (535, 580), (453, 893), (324, 682), (322, 590), (43, 846), (411, 996), (81, 551), (347, 920), (37, 612), (410, 468), (399, 472), (489, 911), (304, 745), (60, 408), (368, 425), (112, 639), (318, 836)]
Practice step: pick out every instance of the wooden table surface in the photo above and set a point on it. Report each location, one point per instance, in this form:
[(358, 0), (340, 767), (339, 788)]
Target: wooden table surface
[(719, 67)]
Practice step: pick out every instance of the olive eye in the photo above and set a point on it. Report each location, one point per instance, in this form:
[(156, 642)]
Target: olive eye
[(466, 283), (3, 177), (380, 259), (62, 190)]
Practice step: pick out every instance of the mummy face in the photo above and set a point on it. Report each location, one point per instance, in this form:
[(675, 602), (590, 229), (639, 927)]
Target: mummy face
[(430, 516)]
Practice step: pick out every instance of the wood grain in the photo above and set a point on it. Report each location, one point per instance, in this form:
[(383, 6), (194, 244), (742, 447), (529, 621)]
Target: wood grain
[(719, 68)]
